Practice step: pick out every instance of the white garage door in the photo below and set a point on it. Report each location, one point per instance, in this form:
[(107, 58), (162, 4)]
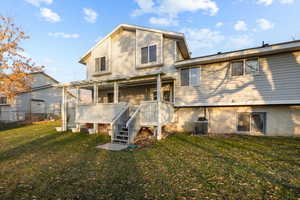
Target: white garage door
[(38, 106)]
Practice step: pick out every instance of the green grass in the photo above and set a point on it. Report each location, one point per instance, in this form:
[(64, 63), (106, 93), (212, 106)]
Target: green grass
[(38, 163)]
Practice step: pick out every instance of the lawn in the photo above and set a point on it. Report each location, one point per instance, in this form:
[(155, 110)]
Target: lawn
[(38, 163)]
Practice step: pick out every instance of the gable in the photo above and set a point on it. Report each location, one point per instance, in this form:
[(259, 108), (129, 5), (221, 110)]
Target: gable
[(40, 79)]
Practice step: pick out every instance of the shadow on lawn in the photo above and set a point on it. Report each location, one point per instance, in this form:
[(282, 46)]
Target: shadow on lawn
[(209, 191), (268, 156), (50, 142), (244, 167), (87, 173)]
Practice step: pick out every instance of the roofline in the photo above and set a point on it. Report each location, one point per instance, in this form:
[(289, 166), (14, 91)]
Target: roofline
[(243, 53), (130, 26), (44, 73)]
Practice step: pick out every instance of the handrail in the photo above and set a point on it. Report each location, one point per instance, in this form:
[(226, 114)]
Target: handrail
[(133, 116), (119, 115)]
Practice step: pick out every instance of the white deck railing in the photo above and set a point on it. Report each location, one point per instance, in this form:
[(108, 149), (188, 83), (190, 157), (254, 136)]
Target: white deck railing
[(118, 122), (149, 113), (98, 113), (134, 124), (166, 112)]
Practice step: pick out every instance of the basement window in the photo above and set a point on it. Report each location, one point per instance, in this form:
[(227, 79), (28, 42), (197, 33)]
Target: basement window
[(251, 122)]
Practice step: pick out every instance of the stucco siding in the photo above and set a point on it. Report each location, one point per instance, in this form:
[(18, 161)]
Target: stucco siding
[(278, 81)]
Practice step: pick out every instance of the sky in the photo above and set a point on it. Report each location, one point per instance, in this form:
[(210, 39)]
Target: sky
[(61, 31)]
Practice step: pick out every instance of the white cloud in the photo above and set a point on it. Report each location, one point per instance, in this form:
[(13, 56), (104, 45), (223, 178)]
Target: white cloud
[(265, 2), (90, 15), (163, 21), (219, 24), (270, 2), (145, 6), (240, 26), (171, 8), (37, 3), (64, 35), (287, 1), (264, 24), (239, 41), (49, 15), (202, 38)]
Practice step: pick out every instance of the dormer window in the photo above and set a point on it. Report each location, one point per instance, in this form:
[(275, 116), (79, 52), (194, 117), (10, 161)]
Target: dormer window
[(100, 64), (148, 54)]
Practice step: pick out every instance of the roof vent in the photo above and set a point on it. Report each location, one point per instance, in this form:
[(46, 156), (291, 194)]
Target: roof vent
[(264, 44), (219, 52)]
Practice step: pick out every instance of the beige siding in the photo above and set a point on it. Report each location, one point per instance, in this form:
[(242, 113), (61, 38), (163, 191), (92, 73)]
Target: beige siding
[(280, 120), (39, 79), (123, 51), (278, 82), (179, 55), (101, 50), (169, 52), (146, 38)]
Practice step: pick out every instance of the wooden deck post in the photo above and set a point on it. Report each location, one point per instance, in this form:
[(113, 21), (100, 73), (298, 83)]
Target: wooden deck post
[(116, 92), (95, 98), (64, 110), (159, 127)]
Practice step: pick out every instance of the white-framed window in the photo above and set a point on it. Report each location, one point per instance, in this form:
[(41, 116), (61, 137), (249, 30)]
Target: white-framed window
[(3, 100), (100, 64), (245, 66), (149, 54), (190, 76), (254, 122)]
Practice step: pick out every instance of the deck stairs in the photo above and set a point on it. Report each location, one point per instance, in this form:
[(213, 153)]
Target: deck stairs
[(122, 133)]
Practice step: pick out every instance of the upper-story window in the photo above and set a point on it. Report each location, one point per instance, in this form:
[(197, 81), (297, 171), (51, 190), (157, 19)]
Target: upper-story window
[(245, 66), (3, 100), (100, 64), (190, 76), (148, 54)]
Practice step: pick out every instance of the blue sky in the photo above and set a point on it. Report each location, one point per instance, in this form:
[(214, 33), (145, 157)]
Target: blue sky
[(63, 30)]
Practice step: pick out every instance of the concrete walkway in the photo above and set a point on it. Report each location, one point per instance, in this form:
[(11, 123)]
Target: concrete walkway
[(112, 147)]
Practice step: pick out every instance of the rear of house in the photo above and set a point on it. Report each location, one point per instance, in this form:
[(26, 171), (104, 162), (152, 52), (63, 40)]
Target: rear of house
[(141, 77), (253, 91)]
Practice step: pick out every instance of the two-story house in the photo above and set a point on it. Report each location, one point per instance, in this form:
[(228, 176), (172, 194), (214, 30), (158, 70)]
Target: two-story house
[(42, 101), (141, 77)]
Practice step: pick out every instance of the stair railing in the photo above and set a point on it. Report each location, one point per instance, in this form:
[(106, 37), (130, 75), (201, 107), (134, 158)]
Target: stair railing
[(134, 125), (119, 120)]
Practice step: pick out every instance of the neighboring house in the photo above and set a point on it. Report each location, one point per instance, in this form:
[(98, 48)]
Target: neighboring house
[(143, 77), (41, 102)]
